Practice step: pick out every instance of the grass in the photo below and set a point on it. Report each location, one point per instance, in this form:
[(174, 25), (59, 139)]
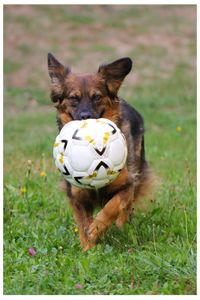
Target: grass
[(155, 253), (11, 66)]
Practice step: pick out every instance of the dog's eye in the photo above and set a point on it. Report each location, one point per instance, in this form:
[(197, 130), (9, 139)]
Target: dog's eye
[(96, 97), (75, 98)]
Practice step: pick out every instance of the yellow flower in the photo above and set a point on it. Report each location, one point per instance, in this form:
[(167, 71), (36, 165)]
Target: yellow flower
[(23, 190), (60, 247), (178, 129), (43, 174), (76, 229)]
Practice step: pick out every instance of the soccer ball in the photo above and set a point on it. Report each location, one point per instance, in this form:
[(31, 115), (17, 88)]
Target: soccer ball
[(90, 153)]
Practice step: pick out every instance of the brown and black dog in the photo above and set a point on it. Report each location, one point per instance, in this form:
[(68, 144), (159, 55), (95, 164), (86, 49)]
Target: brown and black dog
[(79, 97)]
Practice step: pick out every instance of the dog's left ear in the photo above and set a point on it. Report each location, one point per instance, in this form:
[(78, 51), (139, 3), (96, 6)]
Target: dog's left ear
[(115, 73)]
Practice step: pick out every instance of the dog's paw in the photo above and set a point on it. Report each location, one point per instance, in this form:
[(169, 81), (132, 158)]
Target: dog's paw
[(89, 246), (96, 230), (121, 220)]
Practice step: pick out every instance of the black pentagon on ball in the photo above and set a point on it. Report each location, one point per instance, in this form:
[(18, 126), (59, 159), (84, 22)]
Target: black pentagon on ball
[(75, 137), (65, 143), (101, 164), (114, 129), (77, 179), (66, 171), (100, 152)]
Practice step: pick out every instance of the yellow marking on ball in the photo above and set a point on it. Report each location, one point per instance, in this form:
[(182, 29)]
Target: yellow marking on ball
[(89, 139), (56, 145), (100, 121), (84, 125), (92, 176), (61, 158), (106, 137), (110, 172)]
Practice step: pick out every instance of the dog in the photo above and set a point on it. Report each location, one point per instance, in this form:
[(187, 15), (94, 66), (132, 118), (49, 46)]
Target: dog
[(78, 97)]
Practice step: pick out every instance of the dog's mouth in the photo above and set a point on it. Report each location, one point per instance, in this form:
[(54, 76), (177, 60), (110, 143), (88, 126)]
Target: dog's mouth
[(102, 113)]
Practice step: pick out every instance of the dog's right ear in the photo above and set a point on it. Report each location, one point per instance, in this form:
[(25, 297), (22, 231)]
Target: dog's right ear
[(57, 71)]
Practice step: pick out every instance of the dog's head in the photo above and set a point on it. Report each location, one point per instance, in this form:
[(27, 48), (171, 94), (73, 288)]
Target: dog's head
[(87, 96)]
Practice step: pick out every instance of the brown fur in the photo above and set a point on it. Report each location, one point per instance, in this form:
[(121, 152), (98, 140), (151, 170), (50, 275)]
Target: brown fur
[(94, 96)]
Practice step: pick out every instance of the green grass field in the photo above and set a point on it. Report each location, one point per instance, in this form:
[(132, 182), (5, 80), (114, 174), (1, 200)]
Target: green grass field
[(155, 253)]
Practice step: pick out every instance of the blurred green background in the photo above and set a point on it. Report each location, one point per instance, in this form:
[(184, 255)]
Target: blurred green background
[(156, 252)]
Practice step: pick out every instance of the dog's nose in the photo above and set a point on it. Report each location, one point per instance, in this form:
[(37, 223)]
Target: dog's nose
[(85, 115)]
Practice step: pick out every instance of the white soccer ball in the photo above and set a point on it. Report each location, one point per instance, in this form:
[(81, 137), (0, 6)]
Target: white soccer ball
[(90, 153)]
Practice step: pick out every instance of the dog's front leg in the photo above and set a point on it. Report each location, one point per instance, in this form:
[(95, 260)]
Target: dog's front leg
[(83, 219), (82, 211), (109, 214)]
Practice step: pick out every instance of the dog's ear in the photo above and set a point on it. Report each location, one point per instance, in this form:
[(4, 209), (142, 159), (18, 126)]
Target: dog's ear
[(114, 73), (57, 71)]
